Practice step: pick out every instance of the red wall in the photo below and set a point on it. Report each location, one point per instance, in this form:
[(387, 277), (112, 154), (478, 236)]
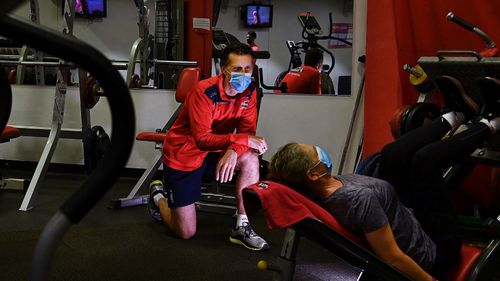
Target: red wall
[(401, 31), (198, 42)]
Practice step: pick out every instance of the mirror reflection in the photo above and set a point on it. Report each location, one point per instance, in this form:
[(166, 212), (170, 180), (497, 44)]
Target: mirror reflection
[(281, 31)]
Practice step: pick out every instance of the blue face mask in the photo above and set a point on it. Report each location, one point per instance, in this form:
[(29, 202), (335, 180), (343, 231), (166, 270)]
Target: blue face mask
[(240, 81), (323, 158)]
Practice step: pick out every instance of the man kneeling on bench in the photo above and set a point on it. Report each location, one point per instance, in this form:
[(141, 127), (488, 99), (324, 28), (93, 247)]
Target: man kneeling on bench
[(406, 216)]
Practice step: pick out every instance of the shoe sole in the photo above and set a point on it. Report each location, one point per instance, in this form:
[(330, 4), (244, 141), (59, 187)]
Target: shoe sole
[(450, 86), (490, 89), (151, 213), (238, 242)]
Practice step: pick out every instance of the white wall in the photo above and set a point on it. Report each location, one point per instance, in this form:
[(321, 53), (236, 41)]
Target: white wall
[(299, 118), (113, 35), (287, 27)]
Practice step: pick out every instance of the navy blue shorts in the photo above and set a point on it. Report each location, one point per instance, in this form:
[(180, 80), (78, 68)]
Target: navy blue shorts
[(184, 188)]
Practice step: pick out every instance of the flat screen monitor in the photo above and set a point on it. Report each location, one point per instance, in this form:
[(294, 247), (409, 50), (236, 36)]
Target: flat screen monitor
[(258, 15), (89, 8)]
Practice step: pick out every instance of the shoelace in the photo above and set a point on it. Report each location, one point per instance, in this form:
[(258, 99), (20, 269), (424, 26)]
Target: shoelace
[(247, 230)]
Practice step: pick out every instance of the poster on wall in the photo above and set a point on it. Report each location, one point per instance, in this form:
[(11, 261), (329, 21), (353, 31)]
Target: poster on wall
[(342, 31)]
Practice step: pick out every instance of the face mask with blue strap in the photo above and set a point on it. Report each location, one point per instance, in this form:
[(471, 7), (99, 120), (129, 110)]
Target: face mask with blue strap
[(323, 158)]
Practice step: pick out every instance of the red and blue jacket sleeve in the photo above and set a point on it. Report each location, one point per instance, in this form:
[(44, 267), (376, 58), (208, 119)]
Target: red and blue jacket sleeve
[(201, 110)]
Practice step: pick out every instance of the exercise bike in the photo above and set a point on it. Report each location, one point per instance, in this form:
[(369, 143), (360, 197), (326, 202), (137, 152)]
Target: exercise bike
[(311, 34)]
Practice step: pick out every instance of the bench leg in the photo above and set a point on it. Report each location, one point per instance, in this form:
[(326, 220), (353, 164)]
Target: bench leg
[(132, 199)]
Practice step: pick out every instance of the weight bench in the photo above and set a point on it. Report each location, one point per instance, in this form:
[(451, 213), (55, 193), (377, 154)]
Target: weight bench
[(188, 78), (10, 183), (301, 217)]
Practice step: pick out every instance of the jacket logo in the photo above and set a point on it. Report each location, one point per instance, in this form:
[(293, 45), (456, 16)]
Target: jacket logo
[(263, 185), (298, 69), (244, 104)]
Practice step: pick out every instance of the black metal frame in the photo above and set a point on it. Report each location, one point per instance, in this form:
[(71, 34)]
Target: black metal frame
[(312, 41), (5, 100), (122, 118)]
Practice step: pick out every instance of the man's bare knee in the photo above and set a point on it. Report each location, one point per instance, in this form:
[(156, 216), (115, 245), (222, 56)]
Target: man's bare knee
[(184, 221), (248, 159), (187, 233)]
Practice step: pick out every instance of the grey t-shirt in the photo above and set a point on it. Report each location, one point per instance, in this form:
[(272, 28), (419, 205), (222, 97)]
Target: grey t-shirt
[(364, 204)]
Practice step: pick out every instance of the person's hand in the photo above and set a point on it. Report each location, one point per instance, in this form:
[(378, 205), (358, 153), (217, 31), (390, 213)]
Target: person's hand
[(225, 166), (258, 144)]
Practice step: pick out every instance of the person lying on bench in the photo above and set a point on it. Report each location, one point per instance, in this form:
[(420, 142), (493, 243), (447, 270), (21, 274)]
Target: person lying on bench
[(202, 144), (406, 214)]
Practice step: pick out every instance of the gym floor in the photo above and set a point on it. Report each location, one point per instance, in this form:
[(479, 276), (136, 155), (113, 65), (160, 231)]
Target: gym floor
[(125, 244)]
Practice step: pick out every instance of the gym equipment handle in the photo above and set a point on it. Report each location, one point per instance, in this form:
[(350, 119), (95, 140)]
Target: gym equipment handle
[(5, 100), (458, 20), (283, 87), (122, 119), (120, 102), (5, 90), (442, 54)]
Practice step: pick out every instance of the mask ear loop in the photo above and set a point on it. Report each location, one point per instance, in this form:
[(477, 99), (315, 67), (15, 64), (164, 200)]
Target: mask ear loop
[(315, 165)]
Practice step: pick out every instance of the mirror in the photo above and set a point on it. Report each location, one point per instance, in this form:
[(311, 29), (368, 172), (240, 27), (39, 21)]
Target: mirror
[(287, 29)]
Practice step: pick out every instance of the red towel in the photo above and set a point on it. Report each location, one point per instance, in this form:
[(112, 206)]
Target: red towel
[(284, 207)]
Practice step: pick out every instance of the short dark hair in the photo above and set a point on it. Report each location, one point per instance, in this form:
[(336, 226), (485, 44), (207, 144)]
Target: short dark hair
[(252, 34), (237, 49), (314, 56)]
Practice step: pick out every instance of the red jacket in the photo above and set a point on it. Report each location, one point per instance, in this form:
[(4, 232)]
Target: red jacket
[(303, 80), (207, 122)]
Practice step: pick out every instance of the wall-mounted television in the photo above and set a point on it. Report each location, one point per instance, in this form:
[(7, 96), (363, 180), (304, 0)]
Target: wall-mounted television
[(89, 8), (257, 15)]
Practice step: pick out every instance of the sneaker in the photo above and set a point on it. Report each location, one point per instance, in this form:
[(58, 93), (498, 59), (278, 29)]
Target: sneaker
[(490, 89), (455, 98), (155, 187), (245, 236)]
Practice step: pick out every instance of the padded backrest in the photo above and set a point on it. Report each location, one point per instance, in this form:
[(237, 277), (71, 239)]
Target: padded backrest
[(468, 257), (188, 78), (284, 207)]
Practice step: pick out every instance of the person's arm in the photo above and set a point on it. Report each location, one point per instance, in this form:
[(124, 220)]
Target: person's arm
[(247, 124), (384, 245)]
